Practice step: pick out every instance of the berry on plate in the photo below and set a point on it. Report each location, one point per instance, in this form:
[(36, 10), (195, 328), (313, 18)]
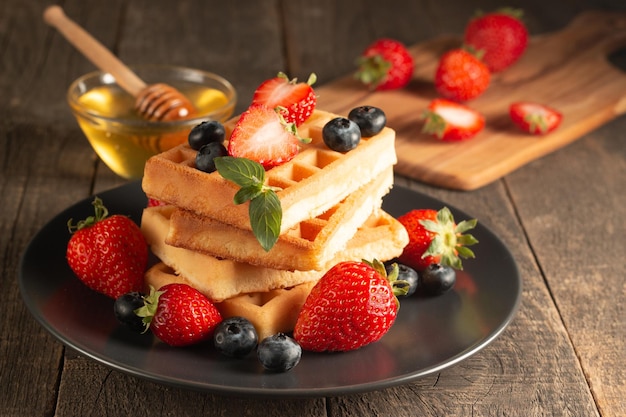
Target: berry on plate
[(179, 315), (452, 121), (235, 337), (279, 353), (352, 305), (124, 311), (461, 75), (534, 118), (434, 237), (107, 253), (437, 279), (296, 100), (385, 64), (500, 35), (262, 135)]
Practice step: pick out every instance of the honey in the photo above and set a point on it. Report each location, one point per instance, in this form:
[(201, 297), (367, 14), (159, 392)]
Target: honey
[(124, 141)]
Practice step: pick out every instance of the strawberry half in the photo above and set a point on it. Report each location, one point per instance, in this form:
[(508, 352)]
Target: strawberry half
[(107, 253), (179, 315), (351, 306), (534, 118), (262, 135), (386, 64), (461, 75), (500, 35), (452, 121), (296, 100), (434, 237)]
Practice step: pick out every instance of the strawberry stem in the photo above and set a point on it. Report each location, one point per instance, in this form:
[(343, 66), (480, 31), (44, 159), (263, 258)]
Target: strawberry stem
[(101, 213)]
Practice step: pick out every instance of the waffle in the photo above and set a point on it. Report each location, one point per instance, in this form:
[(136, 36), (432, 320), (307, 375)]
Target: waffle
[(311, 245), (381, 236), (309, 185), (270, 312)]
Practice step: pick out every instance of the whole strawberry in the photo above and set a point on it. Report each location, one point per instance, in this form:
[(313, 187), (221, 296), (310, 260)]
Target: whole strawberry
[(501, 35), (434, 237), (179, 315), (351, 306), (107, 253), (451, 121), (295, 100), (385, 64), (461, 75)]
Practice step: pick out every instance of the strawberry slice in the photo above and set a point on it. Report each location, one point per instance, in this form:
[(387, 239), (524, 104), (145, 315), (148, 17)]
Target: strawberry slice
[(452, 121), (262, 135), (534, 118), (296, 100)]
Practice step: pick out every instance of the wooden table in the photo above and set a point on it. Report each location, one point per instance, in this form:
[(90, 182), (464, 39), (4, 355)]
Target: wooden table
[(562, 216)]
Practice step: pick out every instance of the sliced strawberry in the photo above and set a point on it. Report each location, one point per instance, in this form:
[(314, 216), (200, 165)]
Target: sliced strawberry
[(262, 135), (452, 121), (296, 100), (534, 118)]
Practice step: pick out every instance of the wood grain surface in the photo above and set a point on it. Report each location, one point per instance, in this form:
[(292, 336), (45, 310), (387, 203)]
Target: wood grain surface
[(561, 215), (568, 69)]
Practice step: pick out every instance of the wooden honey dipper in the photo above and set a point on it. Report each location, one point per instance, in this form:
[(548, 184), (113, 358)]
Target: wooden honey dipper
[(155, 102)]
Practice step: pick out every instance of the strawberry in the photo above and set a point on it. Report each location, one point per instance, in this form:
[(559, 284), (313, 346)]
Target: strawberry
[(179, 315), (501, 35), (296, 100), (534, 118), (262, 135), (385, 64), (153, 202), (434, 237), (452, 121), (461, 75), (351, 306), (107, 253)]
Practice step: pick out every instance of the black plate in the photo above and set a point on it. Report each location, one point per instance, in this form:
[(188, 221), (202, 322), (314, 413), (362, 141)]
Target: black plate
[(430, 334)]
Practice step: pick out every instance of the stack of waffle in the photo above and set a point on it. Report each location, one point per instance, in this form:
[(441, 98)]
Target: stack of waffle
[(331, 205)]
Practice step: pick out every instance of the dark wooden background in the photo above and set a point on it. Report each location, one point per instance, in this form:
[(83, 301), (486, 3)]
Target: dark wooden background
[(561, 216)]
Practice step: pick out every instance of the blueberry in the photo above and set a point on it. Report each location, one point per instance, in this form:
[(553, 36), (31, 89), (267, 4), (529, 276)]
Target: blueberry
[(235, 337), (206, 132), (124, 309), (279, 353), (371, 120), (437, 279), (341, 134), (205, 158), (406, 273)]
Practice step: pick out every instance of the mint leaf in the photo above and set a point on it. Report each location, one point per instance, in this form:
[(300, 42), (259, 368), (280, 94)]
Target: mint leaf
[(265, 211), (265, 218), (243, 172)]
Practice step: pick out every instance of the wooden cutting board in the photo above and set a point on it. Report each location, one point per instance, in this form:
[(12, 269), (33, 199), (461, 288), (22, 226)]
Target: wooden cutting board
[(568, 70)]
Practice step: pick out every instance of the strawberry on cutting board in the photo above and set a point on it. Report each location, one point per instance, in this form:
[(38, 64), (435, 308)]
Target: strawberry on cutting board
[(107, 253), (179, 315), (435, 238), (262, 135), (500, 35), (351, 306), (386, 64), (534, 118), (461, 75), (296, 100), (452, 121)]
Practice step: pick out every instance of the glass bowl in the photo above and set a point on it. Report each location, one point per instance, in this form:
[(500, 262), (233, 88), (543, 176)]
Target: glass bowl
[(125, 141)]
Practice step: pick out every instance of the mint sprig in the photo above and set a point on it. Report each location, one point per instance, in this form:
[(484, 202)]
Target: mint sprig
[(265, 211)]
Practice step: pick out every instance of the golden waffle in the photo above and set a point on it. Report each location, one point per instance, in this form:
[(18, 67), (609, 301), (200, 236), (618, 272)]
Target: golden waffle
[(309, 185), (270, 312), (381, 237), (310, 245)]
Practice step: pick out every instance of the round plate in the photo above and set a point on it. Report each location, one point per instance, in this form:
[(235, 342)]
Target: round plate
[(429, 334)]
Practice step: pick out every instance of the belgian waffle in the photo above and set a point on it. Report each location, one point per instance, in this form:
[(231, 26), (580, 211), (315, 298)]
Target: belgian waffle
[(310, 245), (270, 312), (381, 236), (309, 185)]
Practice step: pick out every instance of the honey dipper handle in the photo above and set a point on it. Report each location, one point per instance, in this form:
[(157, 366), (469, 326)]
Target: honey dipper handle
[(93, 50)]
